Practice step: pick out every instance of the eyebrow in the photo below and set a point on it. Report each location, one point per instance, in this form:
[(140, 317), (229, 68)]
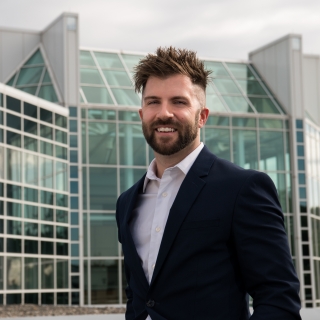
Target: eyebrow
[(173, 98)]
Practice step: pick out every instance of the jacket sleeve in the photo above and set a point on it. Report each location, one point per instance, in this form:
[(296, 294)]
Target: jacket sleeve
[(263, 252), (130, 315)]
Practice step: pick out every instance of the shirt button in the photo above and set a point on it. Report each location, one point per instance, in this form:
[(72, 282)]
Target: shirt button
[(158, 229), (164, 194)]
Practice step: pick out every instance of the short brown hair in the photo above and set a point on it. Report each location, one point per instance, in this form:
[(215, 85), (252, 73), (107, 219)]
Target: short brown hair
[(169, 61)]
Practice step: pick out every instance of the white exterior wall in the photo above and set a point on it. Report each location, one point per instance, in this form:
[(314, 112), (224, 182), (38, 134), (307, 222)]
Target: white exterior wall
[(311, 86), (15, 46)]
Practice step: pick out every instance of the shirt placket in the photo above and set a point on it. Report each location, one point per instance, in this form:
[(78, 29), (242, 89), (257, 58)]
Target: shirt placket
[(158, 223)]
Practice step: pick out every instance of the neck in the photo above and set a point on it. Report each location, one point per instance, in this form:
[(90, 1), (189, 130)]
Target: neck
[(165, 162)]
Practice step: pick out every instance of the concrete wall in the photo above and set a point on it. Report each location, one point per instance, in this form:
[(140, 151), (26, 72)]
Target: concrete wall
[(311, 86), (15, 47), (280, 65)]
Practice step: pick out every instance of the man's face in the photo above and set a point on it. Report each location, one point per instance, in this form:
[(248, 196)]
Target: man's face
[(171, 114)]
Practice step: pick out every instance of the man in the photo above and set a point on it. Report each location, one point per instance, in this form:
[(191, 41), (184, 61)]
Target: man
[(198, 233)]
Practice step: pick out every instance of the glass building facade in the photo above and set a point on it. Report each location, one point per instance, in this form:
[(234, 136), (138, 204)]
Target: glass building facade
[(62, 168)]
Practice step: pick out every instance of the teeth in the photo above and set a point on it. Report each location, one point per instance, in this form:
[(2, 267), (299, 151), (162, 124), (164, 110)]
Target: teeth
[(166, 130)]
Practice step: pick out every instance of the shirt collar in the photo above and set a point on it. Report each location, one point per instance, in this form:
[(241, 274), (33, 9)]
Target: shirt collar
[(183, 165)]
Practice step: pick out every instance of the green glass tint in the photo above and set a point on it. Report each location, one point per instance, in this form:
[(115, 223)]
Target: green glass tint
[(244, 122), (86, 59), (11, 81), (126, 97), (13, 267), (218, 142), (31, 266), (217, 121), (31, 169), (271, 151), (46, 78), (271, 123), (237, 104), (117, 78), (279, 181), (62, 274), (47, 273), (252, 87), (103, 226), (31, 90), (100, 114), (131, 60), (97, 95), (31, 229), (102, 143), (129, 176), (108, 60), (214, 104), (90, 76), (264, 105), (129, 116), (47, 92), (245, 151), (226, 86), (29, 76), (240, 70), (217, 68), (35, 59)]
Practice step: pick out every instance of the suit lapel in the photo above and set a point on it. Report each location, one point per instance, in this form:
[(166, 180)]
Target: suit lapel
[(131, 253), (187, 195)]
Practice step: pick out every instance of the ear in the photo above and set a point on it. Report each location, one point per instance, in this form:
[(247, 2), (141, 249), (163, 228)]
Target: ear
[(203, 116), (140, 114)]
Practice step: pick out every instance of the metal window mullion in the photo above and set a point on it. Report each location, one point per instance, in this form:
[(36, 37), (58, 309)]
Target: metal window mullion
[(40, 81), (103, 78), (83, 95), (220, 97), (125, 67)]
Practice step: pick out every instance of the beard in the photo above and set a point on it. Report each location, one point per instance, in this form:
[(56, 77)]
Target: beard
[(186, 134)]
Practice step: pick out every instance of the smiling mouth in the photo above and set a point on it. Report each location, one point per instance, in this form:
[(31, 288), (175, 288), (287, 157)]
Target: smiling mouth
[(165, 129)]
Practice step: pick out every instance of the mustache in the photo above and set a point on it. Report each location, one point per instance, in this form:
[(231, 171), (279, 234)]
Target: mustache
[(166, 123)]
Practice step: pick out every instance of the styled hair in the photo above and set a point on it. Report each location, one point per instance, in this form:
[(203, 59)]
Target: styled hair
[(170, 61)]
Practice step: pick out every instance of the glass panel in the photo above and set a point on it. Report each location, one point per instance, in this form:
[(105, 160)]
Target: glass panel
[(129, 176), (103, 235), (108, 60), (31, 90), (271, 151), (103, 188), (244, 122), (46, 231), (61, 152), (61, 136), (73, 141), (61, 121), (299, 124), (30, 127), (100, 114), (237, 104), (47, 298), (97, 95), (252, 87), (30, 194), (46, 214), (245, 153), (13, 104), (74, 234), (280, 182), (46, 172), (14, 209), (217, 68), (126, 97), (1, 273), (62, 249), (46, 247), (46, 148), (218, 142), (47, 273), (29, 76), (61, 200), (240, 70), (214, 104), (264, 105), (14, 165), (13, 121), (91, 76), (47, 92), (14, 245), (46, 197), (62, 232), (271, 123), (62, 216), (61, 176), (13, 273), (30, 144), (9, 83), (35, 59), (46, 132), (13, 191), (2, 162), (31, 273), (46, 78), (131, 60), (31, 298), (129, 116), (86, 58), (31, 246), (74, 218), (102, 143), (13, 139), (226, 86), (46, 115), (117, 78), (31, 229), (104, 282), (74, 188), (74, 172), (62, 274), (132, 145), (74, 250)]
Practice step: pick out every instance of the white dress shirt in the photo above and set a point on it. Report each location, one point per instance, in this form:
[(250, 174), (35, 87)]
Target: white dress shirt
[(152, 209)]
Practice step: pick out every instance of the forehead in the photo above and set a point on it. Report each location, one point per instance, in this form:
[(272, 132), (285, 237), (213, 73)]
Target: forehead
[(171, 85)]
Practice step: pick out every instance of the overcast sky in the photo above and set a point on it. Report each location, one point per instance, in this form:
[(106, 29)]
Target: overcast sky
[(226, 29)]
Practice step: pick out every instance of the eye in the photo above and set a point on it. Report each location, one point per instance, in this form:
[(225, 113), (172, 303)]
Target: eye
[(181, 102), (150, 102)]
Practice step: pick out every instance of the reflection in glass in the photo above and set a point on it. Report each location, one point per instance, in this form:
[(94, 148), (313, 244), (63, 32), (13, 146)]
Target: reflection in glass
[(13, 121), (35, 59), (279, 180), (62, 232), (91, 76), (86, 58), (214, 104), (132, 145), (30, 194), (13, 104), (31, 169), (131, 60), (31, 246), (46, 148), (46, 231), (29, 76), (103, 188), (61, 216), (31, 229), (46, 132), (14, 165), (61, 176), (62, 248), (104, 282), (30, 144), (102, 143), (126, 97), (31, 273), (129, 176), (271, 151), (237, 104), (14, 227), (226, 86), (13, 273), (47, 272), (13, 138), (117, 78), (217, 68), (97, 95), (252, 87), (271, 123), (240, 70), (46, 214), (108, 60), (103, 235), (264, 105), (46, 172), (30, 127), (62, 274), (244, 122), (47, 92), (218, 142), (30, 110), (245, 153)]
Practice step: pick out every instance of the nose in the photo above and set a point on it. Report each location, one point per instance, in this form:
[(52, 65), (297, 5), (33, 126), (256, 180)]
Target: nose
[(165, 111)]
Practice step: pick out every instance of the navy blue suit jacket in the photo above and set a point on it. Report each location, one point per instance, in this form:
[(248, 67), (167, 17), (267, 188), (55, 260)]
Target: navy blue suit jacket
[(224, 238)]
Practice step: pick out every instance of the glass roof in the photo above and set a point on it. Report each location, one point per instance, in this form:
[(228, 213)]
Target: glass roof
[(33, 77), (106, 78)]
